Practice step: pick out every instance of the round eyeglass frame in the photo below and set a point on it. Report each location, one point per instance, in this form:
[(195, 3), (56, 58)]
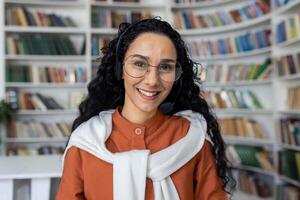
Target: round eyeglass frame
[(178, 72)]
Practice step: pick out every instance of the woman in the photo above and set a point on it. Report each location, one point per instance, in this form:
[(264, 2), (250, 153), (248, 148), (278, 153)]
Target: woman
[(143, 131)]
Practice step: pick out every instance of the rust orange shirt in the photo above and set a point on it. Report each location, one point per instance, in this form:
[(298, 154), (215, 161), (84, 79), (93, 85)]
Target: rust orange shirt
[(87, 177)]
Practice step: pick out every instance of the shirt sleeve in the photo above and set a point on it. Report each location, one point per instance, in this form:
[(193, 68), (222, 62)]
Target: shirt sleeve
[(207, 184), (71, 183)]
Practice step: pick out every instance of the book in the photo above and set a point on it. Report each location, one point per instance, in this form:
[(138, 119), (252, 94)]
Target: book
[(193, 20), (22, 16), (293, 97), (230, 45), (40, 44)]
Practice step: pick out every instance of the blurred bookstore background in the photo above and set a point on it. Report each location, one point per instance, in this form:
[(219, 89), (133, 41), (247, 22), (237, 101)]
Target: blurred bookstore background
[(250, 52)]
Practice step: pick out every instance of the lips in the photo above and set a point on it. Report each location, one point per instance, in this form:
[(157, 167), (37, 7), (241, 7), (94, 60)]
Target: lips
[(150, 95)]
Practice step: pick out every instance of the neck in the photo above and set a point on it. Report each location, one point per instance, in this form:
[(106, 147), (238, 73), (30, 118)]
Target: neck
[(136, 116)]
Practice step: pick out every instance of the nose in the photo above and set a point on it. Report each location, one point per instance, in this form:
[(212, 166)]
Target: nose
[(152, 76)]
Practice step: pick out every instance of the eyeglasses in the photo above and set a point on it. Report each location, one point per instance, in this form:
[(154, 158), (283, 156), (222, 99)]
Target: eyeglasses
[(137, 66)]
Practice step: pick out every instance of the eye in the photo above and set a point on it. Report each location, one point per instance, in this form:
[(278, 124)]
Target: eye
[(140, 64), (166, 68)]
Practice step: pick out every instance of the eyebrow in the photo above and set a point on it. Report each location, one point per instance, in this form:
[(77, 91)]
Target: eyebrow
[(147, 58)]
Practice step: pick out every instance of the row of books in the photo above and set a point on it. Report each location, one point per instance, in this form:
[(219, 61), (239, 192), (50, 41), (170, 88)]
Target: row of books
[(112, 18), (98, 43), (34, 129), (190, 20), (41, 44), (22, 16), (194, 1), (288, 29), (293, 97), (242, 127), (280, 3), (250, 156), (238, 72), (289, 192), (21, 73), (36, 101), (19, 150), (230, 45), (244, 99), (46, 74), (288, 64), (254, 184), (290, 131), (289, 164)]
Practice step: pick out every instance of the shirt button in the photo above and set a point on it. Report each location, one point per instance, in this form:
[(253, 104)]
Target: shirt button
[(138, 131)]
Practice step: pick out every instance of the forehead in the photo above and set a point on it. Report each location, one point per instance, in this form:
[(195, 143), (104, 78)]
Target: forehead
[(152, 45)]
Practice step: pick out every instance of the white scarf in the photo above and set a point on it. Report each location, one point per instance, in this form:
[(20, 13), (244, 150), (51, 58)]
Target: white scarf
[(131, 168)]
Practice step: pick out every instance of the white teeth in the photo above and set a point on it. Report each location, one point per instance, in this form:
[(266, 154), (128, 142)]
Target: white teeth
[(149, 94)]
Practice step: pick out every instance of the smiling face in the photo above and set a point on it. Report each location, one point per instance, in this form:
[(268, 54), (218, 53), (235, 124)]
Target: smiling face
[(144, 95)]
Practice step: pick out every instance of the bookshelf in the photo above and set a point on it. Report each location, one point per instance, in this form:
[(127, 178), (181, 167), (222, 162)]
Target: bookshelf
[(271, 90), (14, 26)]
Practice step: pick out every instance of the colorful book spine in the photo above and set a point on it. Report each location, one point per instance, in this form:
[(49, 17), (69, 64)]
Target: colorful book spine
[(288, 64), (22, 16), (41, 44), (228, 73), (112, 18), (190, 20), (288, 29), (249, 41)]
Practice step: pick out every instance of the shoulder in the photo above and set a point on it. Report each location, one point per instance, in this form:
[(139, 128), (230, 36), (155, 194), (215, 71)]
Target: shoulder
[(177, 124), (206, 153), (178, 120), (88, 124), (73, 154), (100, 120)]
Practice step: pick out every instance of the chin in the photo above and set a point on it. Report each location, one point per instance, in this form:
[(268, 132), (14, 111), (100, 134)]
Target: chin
[(148, 108)]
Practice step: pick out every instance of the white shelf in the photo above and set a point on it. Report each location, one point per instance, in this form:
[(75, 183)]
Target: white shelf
[(237, 83), (290, 181), (200, 4), (226, 28), (288, 43), (129, 5), (291, 77), (104, 31), (288, 7), (22, 167), (41, 166), (52, 3), (243, 196), (46, 57), (247, 141), (48, 112), (257, 52), (32, 29), (254, 169), (96, 58), (45, 85), (35, 140), (291, 147), (289, 112), (243, 111)]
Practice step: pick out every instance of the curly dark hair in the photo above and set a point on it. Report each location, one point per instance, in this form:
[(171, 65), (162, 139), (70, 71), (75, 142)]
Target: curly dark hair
[(106, 90)]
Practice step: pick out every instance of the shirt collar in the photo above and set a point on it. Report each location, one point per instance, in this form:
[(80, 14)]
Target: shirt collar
[(127, 128)]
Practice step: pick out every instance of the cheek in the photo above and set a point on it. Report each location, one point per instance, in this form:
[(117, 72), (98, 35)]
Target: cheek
[(168, 87), (129, 83)]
